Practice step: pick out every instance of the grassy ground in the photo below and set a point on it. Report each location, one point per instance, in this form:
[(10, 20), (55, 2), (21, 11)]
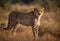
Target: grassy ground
[(48, 31)]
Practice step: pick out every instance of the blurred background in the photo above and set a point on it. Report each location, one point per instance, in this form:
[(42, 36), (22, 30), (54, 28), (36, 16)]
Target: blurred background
[(49, 29)]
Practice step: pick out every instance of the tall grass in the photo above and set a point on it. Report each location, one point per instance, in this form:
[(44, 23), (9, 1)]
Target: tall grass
[(48, 30)]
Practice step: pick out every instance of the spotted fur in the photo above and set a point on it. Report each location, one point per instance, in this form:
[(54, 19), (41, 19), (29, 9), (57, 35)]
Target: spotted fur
[(28, 19)]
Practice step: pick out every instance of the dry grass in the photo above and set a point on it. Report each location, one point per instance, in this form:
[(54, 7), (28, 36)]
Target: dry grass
[(48, 31)]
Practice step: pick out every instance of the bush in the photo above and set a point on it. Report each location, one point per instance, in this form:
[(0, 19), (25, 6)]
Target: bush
[(7, 6)]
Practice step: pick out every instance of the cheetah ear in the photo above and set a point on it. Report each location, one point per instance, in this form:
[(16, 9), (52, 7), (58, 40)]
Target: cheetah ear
[(35, 9)]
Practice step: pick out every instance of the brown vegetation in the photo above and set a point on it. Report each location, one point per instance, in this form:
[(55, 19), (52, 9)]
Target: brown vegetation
[(49, 29)]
